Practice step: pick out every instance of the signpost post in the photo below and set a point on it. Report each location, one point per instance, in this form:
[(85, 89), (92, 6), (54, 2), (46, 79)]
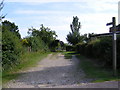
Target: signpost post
[(113, 32), (113, 23)]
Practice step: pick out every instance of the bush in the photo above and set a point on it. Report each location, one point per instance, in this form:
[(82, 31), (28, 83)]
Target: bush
[(100, 49), (118, 51), (69, 48), (35, 43), (80, 48), (11, 49)]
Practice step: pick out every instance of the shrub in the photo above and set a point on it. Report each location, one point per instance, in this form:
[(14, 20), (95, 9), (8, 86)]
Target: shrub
[(100, 49), (69, 48), (35, 43), (80, 48), (118, 51), (11, 49)]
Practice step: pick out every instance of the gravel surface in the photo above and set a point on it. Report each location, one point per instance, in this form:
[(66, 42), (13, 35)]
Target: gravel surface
[(57, 72)]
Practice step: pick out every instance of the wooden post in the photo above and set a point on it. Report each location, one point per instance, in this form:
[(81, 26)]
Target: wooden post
[(114, 38), (114, 47)]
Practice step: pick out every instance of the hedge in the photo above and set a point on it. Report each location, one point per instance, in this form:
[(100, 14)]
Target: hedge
[(11, 49), (100, 49)]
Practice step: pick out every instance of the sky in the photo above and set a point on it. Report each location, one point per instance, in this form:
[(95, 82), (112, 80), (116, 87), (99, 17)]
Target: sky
[(58, 15)]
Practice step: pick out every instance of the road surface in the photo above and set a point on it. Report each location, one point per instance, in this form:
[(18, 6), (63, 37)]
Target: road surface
[(55, 71)]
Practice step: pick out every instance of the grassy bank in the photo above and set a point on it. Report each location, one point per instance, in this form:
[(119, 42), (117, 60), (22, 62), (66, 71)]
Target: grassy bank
[(68, 55), (92, 69), (27, 60)]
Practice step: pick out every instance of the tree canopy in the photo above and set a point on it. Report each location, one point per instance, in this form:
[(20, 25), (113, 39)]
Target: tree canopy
[(74, 36), (11, 27), (45, 33), (75, 26)]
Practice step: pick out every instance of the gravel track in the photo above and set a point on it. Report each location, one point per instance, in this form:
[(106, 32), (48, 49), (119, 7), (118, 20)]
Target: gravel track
[(57, 72)]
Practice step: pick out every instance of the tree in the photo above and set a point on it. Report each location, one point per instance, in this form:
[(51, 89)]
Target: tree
[(75, 26), (34, 44), (62, 45), (54, 45), (11, 27), (74, 36), (45, 33)]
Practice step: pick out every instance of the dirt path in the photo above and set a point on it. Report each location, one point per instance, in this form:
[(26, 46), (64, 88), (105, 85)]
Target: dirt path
[(57, 72)]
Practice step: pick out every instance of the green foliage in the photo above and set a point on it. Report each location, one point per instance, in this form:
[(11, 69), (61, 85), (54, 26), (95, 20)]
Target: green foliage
[(74, 36), (27, 59), (100, 49), (118, 50), (57, 45), (54, 44), (95, 71), (69, 48), (11, 49), (68, 54), (11, 27), (0, 37), (62, 44), (25, 42), (80, 47), (75, 26), (14, 46), (20, 53), (36, 44), (44, 33)]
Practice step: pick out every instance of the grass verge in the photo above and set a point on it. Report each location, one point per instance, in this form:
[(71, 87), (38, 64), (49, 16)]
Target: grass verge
[(27, 60), (92, 71), (68, 55)]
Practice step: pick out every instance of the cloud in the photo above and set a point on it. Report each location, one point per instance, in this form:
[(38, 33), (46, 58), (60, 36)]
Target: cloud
[(29, 12), (43, 1), (93, 22), (46, 1), (97, 5), (93, 15), (101, 5)]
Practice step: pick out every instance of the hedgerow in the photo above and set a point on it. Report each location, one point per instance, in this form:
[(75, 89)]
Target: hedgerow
[(11, 49), (14, 47), (100, 49)]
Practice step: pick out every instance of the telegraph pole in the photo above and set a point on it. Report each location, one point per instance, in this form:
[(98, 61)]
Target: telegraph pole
[(114, 38)]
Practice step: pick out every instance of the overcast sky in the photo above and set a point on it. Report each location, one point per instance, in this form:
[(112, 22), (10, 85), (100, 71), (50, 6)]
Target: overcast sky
[(58, 14)]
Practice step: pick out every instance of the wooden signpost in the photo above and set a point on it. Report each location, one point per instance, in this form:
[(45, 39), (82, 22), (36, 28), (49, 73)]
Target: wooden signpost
[(113, 32), (113, 23)]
